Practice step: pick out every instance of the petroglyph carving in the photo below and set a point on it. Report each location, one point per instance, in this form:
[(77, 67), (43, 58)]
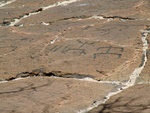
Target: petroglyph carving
[(81, 48), (108, 51)]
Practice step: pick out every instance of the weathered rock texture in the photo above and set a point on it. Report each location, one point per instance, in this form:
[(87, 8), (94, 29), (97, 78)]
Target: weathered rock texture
[(49, 95), (97, 41), (134, 100)]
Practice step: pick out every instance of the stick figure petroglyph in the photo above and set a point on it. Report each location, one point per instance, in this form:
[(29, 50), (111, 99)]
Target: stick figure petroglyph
[(82, 48)]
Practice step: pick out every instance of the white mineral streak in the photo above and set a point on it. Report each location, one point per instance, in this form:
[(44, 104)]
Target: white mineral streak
[(92, 17), (3, 81), (15, 21), (82, 5), (96, 17), (110, 19), (137, 71), (3, 3), (132, 78), (14, 79), (64, 3), (53, 41), (44, 23), (103, 82), (20, 78), (144, 83)]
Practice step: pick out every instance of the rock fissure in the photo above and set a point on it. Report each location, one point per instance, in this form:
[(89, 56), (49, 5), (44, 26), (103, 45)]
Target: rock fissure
[(5, 2), (41, 72), (86, 17), (13, 22), (132, 78), (93, 51), (118, 17)]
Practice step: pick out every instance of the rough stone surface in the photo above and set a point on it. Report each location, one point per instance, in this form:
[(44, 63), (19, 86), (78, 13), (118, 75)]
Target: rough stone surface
[(133, 100), (50, 95), (72, 54)]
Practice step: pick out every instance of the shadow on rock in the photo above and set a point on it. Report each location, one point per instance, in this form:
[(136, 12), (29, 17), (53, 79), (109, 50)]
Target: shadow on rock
[(30, 87), (123, 105)]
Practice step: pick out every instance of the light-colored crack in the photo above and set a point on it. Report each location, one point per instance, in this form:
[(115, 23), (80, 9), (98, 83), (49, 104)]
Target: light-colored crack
[(132, 78), (78, 18), (58, 74), (137, 71), (3, 3), (84, 17), (143, 83), (5, 81), (53, 41), (86, 79), (102, 82), (63, 3)]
